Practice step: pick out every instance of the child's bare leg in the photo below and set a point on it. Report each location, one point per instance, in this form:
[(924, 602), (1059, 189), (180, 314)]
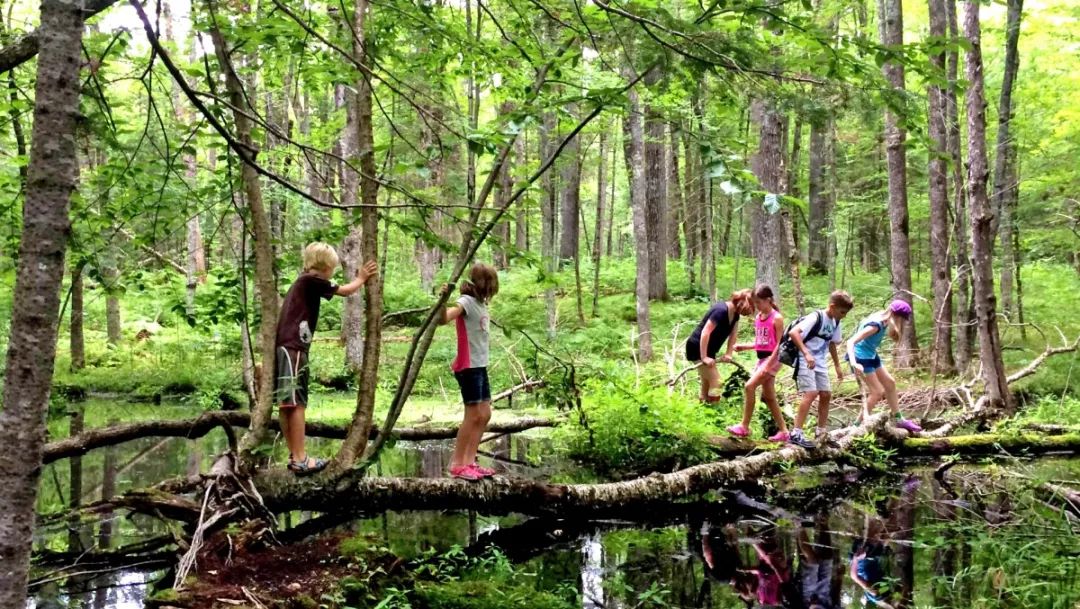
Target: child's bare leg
[(292, 427), (710, 376), (823, 409), (464, 437), (888, 384), (874, 392), (768, 395), (702, 370), (751, 397), (808, 398), (481, 414)]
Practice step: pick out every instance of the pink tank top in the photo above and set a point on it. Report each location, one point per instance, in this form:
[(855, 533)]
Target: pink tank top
[(765, 338)]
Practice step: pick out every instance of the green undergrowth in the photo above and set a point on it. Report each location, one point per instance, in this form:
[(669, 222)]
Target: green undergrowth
[(449, 580)]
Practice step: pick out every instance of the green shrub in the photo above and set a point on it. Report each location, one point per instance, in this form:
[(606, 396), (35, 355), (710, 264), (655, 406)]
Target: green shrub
[(485, 594), (621, 432)]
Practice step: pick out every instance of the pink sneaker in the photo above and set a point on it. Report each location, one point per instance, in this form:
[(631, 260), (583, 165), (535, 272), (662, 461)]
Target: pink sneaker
[(739, 431), (909, 425), (466, 472), (782, 436), (486, 472)]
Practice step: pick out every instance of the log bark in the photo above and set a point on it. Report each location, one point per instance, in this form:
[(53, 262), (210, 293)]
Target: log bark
[(1006, 189), (633, 140), (51, 180), (982, 217), (1012, 444), (892, 36), (941, 273), (499, 495)]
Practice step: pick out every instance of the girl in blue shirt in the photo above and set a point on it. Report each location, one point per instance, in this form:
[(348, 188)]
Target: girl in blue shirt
[(862, 354)]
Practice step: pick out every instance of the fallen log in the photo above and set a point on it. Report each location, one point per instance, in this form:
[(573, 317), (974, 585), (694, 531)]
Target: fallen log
[(201, 425), (992, 443), (356, 493)]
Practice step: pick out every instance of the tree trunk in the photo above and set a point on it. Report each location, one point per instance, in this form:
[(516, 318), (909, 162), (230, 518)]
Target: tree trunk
[(892, 36), (692, 216), (266, 288), (1006, 187), (768, 165), (941, 273), (598, 231), (51, 179), (352, 312), (633, 149), (548, 204), (110, 277), (982, 217), (655, 154), (675, 196), (570, 210), (963, 318), (521, 218), (78, 341), (503, 188), (356, 442), (818, 217)]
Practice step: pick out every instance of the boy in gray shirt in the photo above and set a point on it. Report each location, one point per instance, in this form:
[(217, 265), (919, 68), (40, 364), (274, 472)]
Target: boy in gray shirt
[(813, 372)]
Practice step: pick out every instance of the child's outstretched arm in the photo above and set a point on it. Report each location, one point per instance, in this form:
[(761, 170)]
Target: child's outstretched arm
[(866, 333), (731, 343), (369, 270)]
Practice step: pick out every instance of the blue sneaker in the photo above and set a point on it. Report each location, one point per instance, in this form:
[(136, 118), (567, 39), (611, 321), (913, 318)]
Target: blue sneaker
[(798, 439)]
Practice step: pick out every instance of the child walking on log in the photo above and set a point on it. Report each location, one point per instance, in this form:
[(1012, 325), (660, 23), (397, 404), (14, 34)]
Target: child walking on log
[(816, 333), (470, 367), (295, 330), (862, 354), (768, 327), (720, 323)]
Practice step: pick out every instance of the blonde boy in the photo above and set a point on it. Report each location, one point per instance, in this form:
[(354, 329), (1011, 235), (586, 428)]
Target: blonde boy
[(295, 330)]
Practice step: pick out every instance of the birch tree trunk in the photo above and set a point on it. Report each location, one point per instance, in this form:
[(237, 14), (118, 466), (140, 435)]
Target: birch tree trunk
[(982, 216), (1006, 189), (941, 272), (963, 311), (633, 145), (51, 179), (892, 36)]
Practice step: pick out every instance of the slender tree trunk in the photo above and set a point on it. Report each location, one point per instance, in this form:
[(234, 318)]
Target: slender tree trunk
[(77, 541), (892, 35), (963, 309), (633, 149), (503, 190), (598, 232), (78, 341), (655, 155), (675, 196), (570, 208), (356, 441), (767, 227), (548, 204), (982, 216), (352, 312), (521, 218), (692, 216), (51, 179), (818, 217), (1006, 188), (266, 288), (110, 276), (941, 273)]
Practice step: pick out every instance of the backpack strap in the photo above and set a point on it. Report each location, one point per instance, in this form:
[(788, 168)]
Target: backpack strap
[(816, 329)]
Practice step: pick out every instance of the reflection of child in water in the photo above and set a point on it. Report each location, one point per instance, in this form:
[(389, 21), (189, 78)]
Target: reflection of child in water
[(816, 565), (868, 564), (764, 583)]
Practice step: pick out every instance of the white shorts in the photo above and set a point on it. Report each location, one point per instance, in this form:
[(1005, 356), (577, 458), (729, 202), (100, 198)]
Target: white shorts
[(813, 380)]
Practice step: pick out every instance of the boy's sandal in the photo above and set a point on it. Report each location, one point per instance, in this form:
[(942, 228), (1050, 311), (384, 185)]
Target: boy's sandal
[(302, 468)]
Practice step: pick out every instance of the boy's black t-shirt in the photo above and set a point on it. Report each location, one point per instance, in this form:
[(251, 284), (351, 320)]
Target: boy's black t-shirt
[(718, 313), (300, 311)]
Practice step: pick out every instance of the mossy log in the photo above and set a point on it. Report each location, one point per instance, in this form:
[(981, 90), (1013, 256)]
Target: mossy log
[(354, 492), (993, 443)]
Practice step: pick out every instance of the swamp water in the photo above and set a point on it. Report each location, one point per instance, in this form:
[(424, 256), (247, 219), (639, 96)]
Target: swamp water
[(982, 537)]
